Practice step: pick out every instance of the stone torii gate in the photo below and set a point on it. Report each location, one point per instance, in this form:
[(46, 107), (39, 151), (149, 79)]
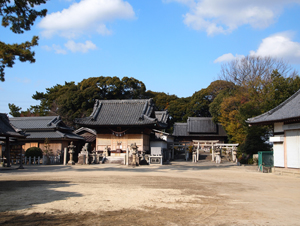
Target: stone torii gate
[(232, 148), (203, 144)]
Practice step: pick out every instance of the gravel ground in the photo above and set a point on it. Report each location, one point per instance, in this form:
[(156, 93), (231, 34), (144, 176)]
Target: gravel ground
[(182, 193)]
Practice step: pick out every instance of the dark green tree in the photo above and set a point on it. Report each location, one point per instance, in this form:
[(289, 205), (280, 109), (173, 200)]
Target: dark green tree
[(14, 110), (72, 101), (19, 15), (178, 110), (200, 101), (161, 99)]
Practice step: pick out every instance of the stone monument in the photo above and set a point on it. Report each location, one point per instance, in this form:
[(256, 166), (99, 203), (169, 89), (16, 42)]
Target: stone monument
[(134, 148), (234, 159), (218, 155), (105, 154), (95, 159), (83, 156)]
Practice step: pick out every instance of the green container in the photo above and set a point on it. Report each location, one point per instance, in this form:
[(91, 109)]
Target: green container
[(265, 159)]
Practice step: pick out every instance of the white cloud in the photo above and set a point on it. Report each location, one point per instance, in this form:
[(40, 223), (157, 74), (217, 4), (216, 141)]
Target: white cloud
[(220, 16), (47, 48), (72, 46), (227, 57), (85, 16), (80, 47), (56, 48), (277, 46), (102, 29), (280, 46)]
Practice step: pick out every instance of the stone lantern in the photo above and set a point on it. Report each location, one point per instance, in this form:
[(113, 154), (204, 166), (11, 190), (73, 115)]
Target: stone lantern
[(71, 152)]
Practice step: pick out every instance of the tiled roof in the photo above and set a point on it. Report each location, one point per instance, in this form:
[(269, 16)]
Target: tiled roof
[(42, 122), (201, 125), (121, 113), (6, 129), (53, 135), (180, 129), (85, 129), (162, 116), (88, 134), (289, 109), (198, 126), (43, 127)]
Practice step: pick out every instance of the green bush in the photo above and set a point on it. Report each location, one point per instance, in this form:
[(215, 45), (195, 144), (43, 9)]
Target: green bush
[(34, 151), (250, 161)]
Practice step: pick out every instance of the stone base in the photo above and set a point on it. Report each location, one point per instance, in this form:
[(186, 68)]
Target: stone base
[(115, 160), (137, 161), (81, 160), (71, 163)]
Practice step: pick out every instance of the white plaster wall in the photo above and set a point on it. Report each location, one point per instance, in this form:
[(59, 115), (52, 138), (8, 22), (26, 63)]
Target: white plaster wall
[(293, 148), (278, 127), (278, 149), (161, 144)]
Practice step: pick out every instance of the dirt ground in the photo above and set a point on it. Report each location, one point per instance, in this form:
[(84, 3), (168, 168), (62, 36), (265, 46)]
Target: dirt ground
[(182, 193)]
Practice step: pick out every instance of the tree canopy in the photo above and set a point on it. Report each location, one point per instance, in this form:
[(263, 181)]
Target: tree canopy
[(19, 16), (260, 84), (72, 100)]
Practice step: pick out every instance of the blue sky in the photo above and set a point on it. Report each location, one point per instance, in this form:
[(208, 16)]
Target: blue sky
[(173, 46)]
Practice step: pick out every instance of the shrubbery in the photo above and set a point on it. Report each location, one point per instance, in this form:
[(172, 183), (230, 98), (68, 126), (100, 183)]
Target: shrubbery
[(34, 151)]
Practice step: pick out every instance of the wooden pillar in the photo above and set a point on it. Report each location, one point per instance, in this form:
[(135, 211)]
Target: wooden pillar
[(198, 151), (173, 157), (7, 148), (212, 153)]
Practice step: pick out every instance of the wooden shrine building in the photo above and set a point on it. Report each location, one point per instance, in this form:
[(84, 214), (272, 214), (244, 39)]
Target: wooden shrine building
[(199, 128), (8, 134), (120, 123), (59, 135), (285, 119)]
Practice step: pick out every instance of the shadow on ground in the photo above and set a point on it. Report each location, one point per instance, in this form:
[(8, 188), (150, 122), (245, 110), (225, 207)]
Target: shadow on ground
[(37, 192)]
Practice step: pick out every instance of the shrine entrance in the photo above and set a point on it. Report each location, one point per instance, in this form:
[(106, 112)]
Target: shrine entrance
[(212, 150), (205, 147), (179, 150)]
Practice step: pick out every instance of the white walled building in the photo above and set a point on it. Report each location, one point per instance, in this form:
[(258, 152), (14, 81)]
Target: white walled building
[(286, 140)]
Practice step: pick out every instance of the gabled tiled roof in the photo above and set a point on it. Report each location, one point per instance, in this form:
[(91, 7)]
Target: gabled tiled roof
[(43, 127), (85, 129), (287, 110), (36, 123), (198, 126), (201, 125), (162, 116), (180, 129), (121, 113), (6, 129), (53, 135), (88, 134)]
